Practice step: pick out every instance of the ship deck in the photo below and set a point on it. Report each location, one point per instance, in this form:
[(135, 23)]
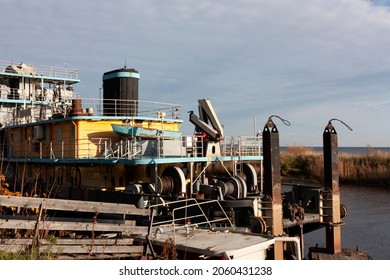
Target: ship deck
[(223, 244)]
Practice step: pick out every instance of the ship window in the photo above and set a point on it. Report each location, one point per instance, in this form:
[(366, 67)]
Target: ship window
[(38, 132)]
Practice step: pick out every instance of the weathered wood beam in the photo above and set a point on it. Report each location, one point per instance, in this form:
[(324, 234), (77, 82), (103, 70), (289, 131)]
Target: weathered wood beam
[(72, 205)]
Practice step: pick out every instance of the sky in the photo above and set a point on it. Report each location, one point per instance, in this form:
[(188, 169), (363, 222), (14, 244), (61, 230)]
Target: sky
[(307, 61)]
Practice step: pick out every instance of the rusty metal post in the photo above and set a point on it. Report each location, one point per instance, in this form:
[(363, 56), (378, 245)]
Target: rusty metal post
[(331, 172), (272, 181)]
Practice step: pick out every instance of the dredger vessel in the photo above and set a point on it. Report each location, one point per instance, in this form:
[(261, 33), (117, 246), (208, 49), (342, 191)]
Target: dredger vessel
[(121, 149)]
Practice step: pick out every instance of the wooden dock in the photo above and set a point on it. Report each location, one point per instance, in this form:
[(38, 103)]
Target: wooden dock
[(345, 254), (70, 229)]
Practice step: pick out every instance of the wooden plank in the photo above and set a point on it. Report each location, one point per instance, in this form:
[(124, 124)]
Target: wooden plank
[(93, 249), (98, 257), (69, 241), (31, 219), (76, 226), (72, 205), (73, 226), (77, 249), (17, 224), (89, 241), (67, 219), (16, 241), (13, 248)]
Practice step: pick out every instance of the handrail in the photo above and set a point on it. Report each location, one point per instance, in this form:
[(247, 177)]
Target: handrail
[(175, 222), (52, 104), (106, 148), (39, 70)]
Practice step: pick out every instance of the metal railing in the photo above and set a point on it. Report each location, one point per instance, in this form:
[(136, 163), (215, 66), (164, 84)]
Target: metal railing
[(242, 146), (88, 106), (130, 108), (39, 70), (187, 215), (108, 148)]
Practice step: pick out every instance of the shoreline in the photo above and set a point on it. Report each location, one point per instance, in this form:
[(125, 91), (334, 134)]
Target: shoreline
[(370, 169)]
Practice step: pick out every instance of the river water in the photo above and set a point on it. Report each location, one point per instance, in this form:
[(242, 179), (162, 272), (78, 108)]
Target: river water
[(367, 224)]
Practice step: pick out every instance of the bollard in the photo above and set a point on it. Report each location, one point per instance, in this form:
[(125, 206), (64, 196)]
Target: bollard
[(272, 181), (331, 185)]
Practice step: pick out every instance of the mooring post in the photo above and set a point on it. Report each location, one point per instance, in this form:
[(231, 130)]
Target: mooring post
[(331, 172), (272, 182)]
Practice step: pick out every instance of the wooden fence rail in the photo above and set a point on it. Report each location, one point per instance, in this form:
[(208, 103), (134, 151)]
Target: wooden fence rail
[(107, 227), (71, 205)]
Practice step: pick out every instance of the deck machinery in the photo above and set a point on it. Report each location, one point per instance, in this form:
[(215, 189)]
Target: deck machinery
[(123, 149)]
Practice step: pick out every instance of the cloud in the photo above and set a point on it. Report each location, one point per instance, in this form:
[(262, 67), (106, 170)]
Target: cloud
[(305, 60)]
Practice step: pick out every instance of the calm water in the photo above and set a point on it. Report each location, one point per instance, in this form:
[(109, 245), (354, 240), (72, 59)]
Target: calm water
[(366, 226), (368, 222)]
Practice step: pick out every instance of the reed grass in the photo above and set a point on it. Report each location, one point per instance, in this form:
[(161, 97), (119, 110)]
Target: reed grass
[(33, 252), (302, 161), (370, 168)]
